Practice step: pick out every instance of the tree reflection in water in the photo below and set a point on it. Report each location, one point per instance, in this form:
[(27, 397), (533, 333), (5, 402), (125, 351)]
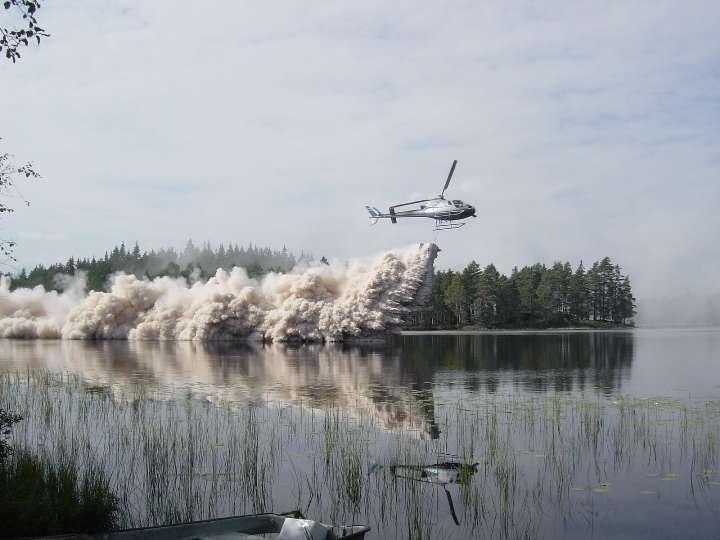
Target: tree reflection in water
[(399, 383)]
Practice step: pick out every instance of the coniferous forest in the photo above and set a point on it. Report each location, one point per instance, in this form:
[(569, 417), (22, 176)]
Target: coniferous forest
[(535, 296), (193, 261)]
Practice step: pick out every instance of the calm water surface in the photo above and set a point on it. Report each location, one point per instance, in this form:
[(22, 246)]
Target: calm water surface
[(575, 434)]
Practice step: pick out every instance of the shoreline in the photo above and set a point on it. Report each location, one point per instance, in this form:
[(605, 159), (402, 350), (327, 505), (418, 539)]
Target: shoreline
[(560, 330)]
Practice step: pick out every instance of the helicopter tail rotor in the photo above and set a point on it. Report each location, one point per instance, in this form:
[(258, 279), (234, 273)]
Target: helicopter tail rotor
[(374, 215)]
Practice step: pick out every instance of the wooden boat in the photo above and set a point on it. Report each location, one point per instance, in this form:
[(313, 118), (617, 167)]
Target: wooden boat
[(290, 526)]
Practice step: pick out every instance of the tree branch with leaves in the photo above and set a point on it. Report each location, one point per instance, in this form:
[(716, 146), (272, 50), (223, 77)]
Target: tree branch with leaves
[(9, 173), (24, 31)]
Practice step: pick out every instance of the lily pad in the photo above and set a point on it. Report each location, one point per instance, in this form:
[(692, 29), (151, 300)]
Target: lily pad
[(602, 487)]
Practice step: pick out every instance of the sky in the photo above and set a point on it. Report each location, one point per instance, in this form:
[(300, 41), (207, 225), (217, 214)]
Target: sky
[(582, 129)]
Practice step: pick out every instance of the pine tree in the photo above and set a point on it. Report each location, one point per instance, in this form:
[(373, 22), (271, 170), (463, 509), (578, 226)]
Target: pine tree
[(526, 282), (487, 297), (470, 278), (578, 295), (594, 285), (545, 298), (625, 309), (607, 288), (455, 297), (190, 252), (508, 303)]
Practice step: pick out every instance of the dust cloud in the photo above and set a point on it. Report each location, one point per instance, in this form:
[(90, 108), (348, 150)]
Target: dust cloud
[(335, 302)]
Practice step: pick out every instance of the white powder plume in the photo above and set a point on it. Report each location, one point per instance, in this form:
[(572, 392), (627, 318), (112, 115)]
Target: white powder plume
[(37, 313), (319, 303)]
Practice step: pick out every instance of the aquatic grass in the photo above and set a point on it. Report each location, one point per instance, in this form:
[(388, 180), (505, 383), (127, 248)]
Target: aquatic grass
[(39, 497), (171, 458)]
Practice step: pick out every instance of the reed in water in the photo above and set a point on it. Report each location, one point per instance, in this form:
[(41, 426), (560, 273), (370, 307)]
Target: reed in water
[(538, 461)]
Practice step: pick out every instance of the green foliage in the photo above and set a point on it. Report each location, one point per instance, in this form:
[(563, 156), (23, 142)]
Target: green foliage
[(10, 172), (7, 420), (192, 263), (26, 29), (42, 498), (532, 297), (23, 28), (455, 297)]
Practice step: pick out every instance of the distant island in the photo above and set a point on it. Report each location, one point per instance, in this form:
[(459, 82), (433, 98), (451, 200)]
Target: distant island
[(534, 296)]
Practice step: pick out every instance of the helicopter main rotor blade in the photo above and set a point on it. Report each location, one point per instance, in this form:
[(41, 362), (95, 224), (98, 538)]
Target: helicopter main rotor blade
[(447, 182), (411, 202)]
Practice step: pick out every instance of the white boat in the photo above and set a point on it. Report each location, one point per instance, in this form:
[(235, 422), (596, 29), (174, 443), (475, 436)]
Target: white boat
[(291, 526)]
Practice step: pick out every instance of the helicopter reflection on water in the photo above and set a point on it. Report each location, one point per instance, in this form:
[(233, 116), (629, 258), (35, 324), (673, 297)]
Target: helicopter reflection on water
[(442, 474)]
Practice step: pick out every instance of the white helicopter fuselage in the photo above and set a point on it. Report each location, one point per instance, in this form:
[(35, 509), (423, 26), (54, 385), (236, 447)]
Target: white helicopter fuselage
[(442, 210), (438, 209)]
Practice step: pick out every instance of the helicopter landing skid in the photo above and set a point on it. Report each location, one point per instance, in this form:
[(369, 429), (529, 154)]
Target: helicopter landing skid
[(442, 225)]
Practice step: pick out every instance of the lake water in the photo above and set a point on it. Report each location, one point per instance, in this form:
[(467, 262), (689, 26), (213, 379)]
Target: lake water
[(562, 434)]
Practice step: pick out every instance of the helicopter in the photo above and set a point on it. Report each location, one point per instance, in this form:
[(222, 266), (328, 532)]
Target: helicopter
[(444, 212)]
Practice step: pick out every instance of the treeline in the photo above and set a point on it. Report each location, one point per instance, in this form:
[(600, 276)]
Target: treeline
[(535, 296), (198, 262)]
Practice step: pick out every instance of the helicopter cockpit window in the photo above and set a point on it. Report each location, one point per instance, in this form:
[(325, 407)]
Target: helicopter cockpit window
[(457, 203)]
